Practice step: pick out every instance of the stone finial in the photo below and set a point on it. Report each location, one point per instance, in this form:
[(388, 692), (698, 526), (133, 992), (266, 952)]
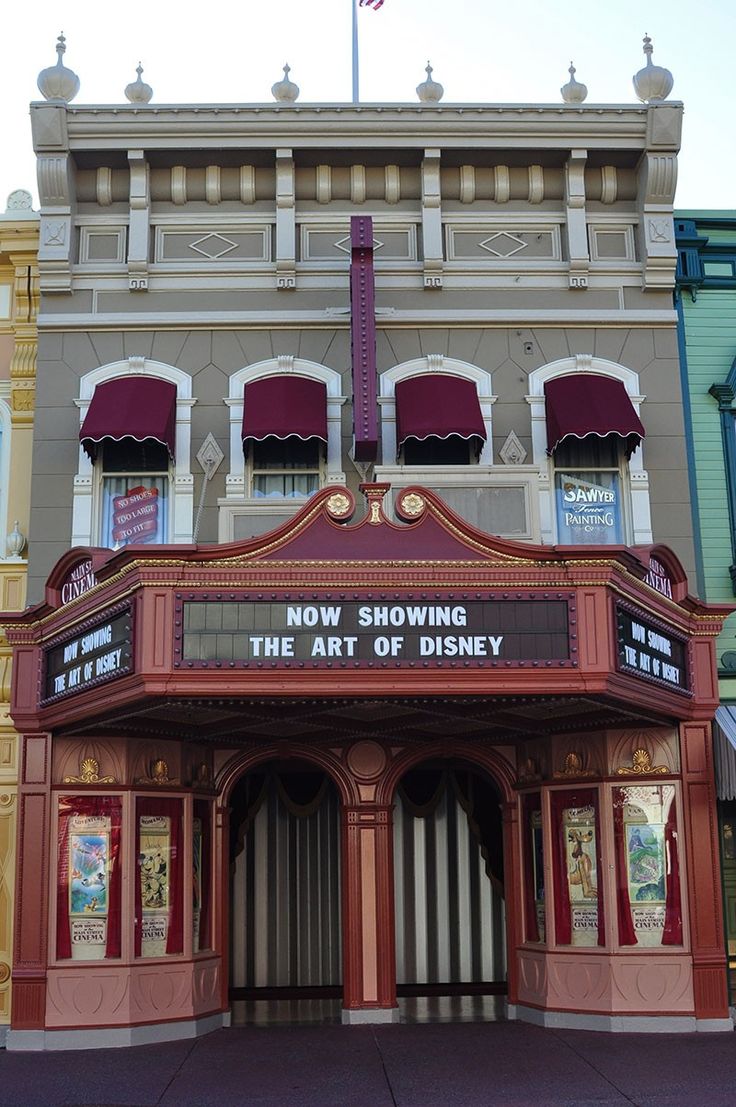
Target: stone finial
[(653, 83), (138, 92), (285, 91), (429, 91), (19, 200), (15, 543), (57, 82), (574, 92)]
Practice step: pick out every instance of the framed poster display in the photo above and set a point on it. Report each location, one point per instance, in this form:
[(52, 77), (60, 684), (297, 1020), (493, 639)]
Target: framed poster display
[(196, 881), (576, 865)]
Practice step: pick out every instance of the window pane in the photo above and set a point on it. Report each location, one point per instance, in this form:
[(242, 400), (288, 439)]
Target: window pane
[(437, 451), (289, 485), (588, 508), (134, 509), (589, 453), (288, 453), (129, 456)]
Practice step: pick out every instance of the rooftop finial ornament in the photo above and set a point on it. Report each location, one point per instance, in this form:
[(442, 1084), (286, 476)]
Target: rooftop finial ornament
[(138, 92), (574, 92), (57, 82), (653, 83), (429, 91), (285, 91)]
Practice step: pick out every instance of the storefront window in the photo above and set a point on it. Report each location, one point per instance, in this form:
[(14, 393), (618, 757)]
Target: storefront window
[(135, 486), (588, 491), (88, 890), (534, 869), (578, 913), (201, 878), (647, 865), (159, 878)]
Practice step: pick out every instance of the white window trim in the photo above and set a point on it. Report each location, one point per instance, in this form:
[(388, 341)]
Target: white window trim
[(426, 366), (637, 514), (87, 482), (285, 365), (6, 430)]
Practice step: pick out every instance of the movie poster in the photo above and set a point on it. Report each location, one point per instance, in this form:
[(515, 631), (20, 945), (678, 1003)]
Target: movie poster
[(645, 816), (89, 873), (578, 827), (538, 864), (154, 862)]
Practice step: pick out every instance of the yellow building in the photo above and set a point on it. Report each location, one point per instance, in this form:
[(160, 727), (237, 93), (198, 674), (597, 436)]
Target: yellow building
[(18, 346)]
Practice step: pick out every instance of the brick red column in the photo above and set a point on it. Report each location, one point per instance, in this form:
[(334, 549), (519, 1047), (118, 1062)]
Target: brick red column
[(704, 898), (369, 957), (33, 862)]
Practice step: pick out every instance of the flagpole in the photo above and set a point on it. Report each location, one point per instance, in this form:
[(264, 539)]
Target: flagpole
[(356, 76)]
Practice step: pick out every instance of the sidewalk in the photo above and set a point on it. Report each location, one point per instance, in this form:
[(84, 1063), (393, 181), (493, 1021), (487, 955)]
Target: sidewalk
[(469, 1065)]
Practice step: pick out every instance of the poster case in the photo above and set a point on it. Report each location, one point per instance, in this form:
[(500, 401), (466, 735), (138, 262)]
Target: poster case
[(646, 842), (581, 849), (196, 883)]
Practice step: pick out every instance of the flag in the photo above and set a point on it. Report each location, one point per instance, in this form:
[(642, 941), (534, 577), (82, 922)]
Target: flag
[(375, 4)]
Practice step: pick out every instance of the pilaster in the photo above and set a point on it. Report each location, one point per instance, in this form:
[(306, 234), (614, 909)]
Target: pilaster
[(575, 216), (139, 228), (432, 219), (285, 220)]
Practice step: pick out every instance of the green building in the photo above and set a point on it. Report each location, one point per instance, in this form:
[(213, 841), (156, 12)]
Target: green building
[(706, 307)]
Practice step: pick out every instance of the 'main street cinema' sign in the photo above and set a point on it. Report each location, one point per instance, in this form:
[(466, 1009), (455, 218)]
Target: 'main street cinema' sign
[(96, 655), (493, 630)]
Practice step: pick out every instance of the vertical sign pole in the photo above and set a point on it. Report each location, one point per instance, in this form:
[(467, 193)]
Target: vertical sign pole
[(356, 75)]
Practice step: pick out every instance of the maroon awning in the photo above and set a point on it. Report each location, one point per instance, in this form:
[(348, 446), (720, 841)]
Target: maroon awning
[(582, 404), (437, 405), (284, 406), (143, 408)]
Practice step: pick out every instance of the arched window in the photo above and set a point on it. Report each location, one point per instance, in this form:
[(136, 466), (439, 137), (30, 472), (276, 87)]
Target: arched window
[(285, 430), (134, 482), (586, 442), (436, 411)]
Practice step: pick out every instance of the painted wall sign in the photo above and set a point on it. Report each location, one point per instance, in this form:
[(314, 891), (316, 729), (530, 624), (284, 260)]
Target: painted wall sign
[(494, 631), (650, 651), (95, 655), (80, 580)]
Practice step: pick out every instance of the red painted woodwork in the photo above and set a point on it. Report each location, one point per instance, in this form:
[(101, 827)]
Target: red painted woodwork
[(705, 905)]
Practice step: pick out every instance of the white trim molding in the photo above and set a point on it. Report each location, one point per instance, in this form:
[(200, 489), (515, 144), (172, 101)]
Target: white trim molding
[(420, 366), (283, 365), (182, 514), (639, 521)]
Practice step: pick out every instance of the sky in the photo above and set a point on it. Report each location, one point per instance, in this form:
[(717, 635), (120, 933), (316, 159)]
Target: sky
[(482, 51)]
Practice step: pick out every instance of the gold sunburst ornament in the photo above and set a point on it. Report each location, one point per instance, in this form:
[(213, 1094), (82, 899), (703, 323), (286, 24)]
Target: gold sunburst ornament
[(89, 773), (641, 765)]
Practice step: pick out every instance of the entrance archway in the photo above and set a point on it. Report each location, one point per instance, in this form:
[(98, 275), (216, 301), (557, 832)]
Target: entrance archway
[(285, 888), (449, 893)]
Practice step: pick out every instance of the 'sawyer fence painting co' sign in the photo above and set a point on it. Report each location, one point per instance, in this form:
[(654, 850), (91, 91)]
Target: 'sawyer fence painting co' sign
[(355, 632)]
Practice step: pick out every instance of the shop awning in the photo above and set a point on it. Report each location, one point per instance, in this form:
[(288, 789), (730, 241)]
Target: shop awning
[(724, 747), (582, 404), (285, 406), (143, 408), (437, 405)]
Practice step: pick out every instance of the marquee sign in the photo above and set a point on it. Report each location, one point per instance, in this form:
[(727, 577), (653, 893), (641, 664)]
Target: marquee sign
[(95, 655), (363, 632), (80, 580), (651, 650)]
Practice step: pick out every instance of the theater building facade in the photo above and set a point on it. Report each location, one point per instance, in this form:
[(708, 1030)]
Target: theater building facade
[(362, 666)]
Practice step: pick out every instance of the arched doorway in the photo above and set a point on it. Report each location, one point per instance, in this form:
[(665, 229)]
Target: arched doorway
[(285, 918), (449, 894)]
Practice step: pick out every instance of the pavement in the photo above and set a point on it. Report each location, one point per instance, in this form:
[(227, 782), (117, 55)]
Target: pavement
[(448, 1065)]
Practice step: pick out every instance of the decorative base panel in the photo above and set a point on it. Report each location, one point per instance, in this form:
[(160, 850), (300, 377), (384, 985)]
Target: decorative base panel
[(366, 1015), (618, 1024), (111, 1037)]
